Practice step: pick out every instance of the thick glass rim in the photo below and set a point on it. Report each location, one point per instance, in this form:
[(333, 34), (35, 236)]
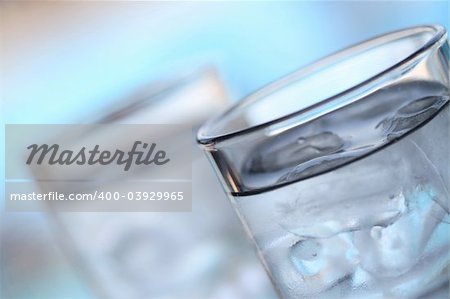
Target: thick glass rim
[(204, 136)]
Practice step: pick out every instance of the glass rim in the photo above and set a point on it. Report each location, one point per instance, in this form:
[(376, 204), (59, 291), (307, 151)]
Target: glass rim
[(438, 37)]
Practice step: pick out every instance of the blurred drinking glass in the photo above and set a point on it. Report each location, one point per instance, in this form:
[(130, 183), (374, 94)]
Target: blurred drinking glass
[(161, 255)]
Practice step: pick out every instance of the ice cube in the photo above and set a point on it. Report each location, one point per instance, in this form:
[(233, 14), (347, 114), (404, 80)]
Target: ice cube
[(393, 250), (362, 196), (321, 265)]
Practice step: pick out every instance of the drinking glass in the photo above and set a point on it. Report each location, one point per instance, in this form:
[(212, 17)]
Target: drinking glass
[(339, 172)]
